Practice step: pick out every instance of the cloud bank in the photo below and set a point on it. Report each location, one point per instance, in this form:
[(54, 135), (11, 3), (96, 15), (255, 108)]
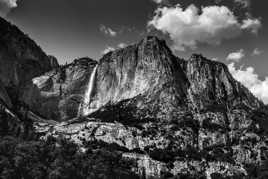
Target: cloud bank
[(110, 49), (236, 56), (252, 24), (121, 45), (191, 26), (251, 80), (6, 6)]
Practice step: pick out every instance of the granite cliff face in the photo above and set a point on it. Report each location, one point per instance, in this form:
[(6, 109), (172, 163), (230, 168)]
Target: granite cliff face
[(58, 94), (212, 84), (21, 59), (146, 72), (171, 116), (146, 76)]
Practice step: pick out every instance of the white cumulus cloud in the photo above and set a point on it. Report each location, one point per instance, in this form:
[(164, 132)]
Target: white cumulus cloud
[(121, 45), (236, 56), (252, 24), (190, 26), (251, 80), (256, 52), (110, 49), (158, 1), (107, 50), (6, 6)]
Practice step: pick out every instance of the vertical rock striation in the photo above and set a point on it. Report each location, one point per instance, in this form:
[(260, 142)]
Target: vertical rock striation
[(212, 84), (147, 72), (171, 116)]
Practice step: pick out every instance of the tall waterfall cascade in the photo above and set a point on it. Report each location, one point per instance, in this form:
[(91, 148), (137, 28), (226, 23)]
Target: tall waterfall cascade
[(86, 110)]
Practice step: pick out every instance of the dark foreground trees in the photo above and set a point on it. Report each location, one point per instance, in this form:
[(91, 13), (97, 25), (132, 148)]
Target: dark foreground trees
[(59, 159)]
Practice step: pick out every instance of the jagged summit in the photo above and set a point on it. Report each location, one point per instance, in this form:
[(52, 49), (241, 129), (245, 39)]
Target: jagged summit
[(150, 53), (147, 68), (204, 81), (146, 42)]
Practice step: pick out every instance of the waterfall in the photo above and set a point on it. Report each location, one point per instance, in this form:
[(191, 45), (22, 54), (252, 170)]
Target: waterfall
[(87, 98)]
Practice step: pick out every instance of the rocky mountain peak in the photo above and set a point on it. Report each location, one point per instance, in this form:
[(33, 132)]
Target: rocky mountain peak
[(147, 68), (144, 73), (212, 83), (199, 62), (152, 41)]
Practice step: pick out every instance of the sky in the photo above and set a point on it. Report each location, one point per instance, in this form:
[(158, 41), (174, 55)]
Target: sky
[(231, 31)]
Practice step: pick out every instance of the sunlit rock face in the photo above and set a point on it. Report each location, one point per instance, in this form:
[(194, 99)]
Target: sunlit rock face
[(171, 116), (59, 93), (212, 84), (144, 80), (146, 73)]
